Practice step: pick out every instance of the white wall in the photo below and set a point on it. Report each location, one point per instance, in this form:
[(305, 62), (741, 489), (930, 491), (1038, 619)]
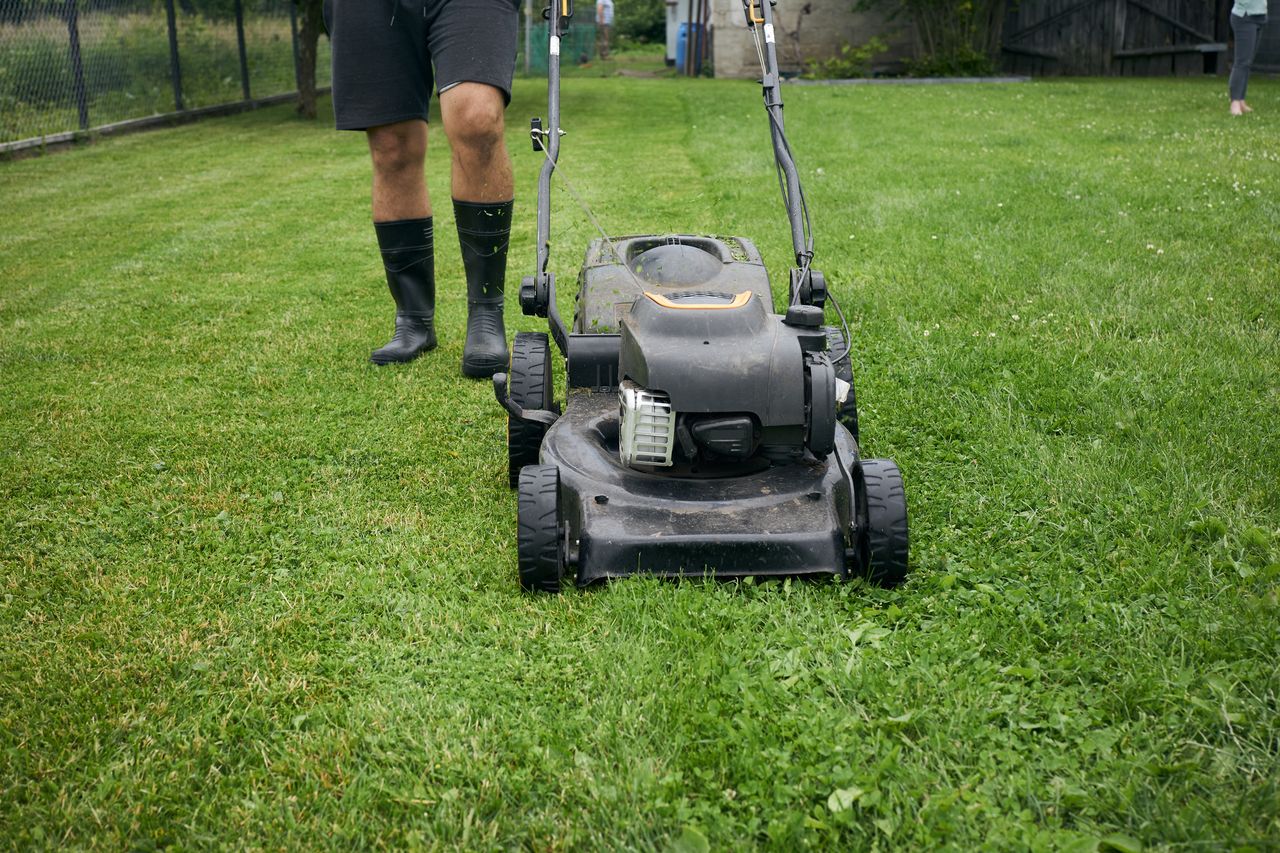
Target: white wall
[(677, 11), (802, 35)]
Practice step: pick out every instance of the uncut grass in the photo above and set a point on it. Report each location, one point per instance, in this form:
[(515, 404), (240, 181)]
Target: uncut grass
[(258, 592), (127, 71)]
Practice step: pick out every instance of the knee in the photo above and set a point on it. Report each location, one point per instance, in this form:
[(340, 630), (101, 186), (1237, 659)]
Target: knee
[(397, 148), (476, 125)]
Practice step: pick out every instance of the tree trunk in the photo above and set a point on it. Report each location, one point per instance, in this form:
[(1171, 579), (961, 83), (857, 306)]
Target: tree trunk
[(310, 25)]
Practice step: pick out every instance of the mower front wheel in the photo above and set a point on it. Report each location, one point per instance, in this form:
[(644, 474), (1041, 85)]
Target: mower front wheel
[(529, 386), (885, 561), (539, 545)]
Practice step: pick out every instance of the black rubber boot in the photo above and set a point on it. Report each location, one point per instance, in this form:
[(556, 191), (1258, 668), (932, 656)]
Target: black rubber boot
[(407, 256), (483, 231)]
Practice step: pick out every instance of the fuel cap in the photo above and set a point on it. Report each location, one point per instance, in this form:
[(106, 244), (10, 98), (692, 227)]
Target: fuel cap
[(804, 316)]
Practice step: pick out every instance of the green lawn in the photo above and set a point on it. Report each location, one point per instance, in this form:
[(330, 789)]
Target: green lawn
[(256, 592)]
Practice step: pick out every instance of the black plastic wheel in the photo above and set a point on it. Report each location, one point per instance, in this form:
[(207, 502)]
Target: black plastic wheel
[(539, 546), (846, 412), (886, 508), (529, 386)]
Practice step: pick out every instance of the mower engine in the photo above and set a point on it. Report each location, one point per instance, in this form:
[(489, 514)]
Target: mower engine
[(715, 384)]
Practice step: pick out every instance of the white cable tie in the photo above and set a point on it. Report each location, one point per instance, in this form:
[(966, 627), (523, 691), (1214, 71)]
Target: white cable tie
[(842, 390)]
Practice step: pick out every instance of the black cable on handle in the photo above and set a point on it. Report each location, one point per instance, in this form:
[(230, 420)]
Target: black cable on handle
[(759, 18)]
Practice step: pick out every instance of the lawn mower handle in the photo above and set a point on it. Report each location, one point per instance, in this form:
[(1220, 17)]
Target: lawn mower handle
[(760, 12), (538, 291)]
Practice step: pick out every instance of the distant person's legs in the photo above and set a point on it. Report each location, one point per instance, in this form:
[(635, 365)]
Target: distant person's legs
[(602, 40), (1247, 30)]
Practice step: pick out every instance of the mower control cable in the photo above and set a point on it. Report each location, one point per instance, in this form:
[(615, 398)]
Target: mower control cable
[(586, 208), (547, 139), (761, 12)]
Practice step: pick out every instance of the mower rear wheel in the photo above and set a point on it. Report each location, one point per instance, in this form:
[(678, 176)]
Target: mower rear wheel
[(886, 503), (846, 412), (539, 545), (529, 386)]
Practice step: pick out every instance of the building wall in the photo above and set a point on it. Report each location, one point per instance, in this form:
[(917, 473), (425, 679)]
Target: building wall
[(807, 30)]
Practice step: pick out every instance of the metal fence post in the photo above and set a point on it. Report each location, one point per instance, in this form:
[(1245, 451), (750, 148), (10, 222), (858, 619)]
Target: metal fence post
[(175, 67), (77, 63), (297, 59), (244, 59)]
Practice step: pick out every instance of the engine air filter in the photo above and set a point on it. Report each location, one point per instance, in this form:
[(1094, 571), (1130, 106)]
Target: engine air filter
[(647, 432)]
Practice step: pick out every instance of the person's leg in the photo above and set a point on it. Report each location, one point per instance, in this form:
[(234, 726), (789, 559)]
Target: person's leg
[(482, 200), (473, 120), (602, 40), (402, 221), (399, 152), (1258, 21), (473, 46), (382, 83), (1246, 37)]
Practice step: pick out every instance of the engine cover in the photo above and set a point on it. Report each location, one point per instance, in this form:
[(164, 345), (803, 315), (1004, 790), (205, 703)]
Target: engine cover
[(718, 353)]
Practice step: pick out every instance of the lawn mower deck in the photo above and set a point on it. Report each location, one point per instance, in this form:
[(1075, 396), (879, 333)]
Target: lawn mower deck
[(617, 521)]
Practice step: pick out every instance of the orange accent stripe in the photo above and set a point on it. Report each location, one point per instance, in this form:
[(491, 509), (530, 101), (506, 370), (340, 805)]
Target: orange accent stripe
[(738, 301)]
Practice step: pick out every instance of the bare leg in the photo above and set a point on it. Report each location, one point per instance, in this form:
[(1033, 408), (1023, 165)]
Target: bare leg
[(472, 114), (399, 154)]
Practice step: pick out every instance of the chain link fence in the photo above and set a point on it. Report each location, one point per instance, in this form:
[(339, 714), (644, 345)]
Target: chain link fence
[(74, 66), (577, 45), (68, 66)]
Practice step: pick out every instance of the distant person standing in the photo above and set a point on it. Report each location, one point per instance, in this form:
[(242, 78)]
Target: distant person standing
[(604, 23), (1247, 20)]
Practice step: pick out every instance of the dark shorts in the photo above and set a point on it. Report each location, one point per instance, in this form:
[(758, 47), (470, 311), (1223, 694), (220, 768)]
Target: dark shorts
[(388, 55)]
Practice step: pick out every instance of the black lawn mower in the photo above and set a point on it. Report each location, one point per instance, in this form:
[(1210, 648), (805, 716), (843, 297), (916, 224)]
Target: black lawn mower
[(703, 435)]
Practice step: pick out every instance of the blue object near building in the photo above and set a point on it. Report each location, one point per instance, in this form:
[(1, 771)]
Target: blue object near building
[(682, 47)]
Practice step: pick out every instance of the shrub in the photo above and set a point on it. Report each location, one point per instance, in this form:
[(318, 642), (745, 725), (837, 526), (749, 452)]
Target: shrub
[(636, 20), (953, 37), (849, 61)]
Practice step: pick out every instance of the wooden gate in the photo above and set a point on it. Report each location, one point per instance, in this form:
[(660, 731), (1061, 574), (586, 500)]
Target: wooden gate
[(1092, 37)]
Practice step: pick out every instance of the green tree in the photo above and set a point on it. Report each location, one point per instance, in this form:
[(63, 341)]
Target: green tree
[(638, 20)]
